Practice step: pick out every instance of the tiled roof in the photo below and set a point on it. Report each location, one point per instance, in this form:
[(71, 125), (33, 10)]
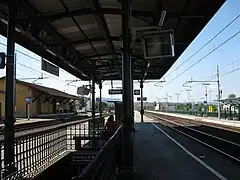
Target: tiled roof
[(46, 90)]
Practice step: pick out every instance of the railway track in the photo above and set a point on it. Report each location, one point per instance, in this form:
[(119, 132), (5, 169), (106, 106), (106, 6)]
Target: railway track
[(42, 124), (38, 124), (198, 121), (206, 136)]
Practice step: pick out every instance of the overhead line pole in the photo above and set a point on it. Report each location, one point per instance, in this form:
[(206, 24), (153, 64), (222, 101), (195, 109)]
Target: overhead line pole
[(177, 94), (219, 93), (218, 88)]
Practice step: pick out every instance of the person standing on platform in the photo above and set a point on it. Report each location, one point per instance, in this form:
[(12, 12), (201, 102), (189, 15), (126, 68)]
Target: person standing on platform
[(110, 126)]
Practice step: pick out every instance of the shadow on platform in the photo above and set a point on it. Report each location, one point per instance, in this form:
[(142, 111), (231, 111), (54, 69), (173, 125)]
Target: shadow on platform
[(157, 157)]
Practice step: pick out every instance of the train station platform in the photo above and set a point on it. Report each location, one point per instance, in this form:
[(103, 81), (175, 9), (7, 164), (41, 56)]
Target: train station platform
[(170, 156), (47, 117), (225, 122)]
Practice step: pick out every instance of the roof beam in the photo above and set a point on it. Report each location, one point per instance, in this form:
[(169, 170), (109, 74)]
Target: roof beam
[(108, 54), (103, 26), (95, 39), (89, 11), (116, 11), (80, 29), (36, 20)]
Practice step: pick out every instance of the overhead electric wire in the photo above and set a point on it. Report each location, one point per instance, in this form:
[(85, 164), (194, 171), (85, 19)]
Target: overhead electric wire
[(23, 53), (206, 55), (39, 72), (20, 52), (223, 29), (30, 67), (215, 76), (229, 72)]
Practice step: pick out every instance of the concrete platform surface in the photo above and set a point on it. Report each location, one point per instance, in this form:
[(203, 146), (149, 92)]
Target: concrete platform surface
[(231, 123), (137, 117), (157, 157)]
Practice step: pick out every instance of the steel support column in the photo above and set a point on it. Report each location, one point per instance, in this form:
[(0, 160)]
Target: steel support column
[(100, 98), (127, 141), (93, 88), (9, 96), (142, 110)]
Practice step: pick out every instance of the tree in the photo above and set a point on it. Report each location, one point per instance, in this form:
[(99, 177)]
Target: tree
[(231, 96)]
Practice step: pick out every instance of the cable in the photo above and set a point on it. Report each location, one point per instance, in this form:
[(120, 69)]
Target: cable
[(224, 74), (40, 72), (214, 76), (22, 53), (206, 43), (35, 60), (38, 60), (233, 36)]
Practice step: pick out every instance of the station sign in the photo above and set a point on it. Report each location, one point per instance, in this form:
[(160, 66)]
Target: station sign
[(137, 92), (50, 68), (28, 100), (139, 99), (115, 91)]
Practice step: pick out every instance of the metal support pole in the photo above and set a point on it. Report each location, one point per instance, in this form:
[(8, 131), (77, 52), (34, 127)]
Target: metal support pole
[(126, 170), (142, 110), (100, 98), (219, 95), (131, 88), (9, 96), (238, 112), (206, 100), (93, 89), (28, 113), (230, 111)]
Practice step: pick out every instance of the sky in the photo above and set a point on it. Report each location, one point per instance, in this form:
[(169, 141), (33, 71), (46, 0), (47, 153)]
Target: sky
[(227, 57)]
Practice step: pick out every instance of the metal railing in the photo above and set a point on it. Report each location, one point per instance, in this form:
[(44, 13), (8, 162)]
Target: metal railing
[(37, 150), (107, 160)]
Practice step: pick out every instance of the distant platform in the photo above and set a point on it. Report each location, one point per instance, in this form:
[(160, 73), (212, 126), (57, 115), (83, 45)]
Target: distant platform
[(137, 117), (230, 123), (46, 117)]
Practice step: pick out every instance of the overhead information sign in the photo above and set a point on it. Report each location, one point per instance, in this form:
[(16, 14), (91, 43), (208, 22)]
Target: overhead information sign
[(50, 68), (158, 44), (139, 99), (136, 92), (115, 91)]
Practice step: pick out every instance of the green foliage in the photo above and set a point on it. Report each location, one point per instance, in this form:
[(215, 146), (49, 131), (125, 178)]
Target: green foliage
[(231, 96), (214, 108), (199, 107), (104, 105)]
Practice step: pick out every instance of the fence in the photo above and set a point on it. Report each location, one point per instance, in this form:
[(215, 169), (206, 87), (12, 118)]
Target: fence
[(37, 150), (104, 165)]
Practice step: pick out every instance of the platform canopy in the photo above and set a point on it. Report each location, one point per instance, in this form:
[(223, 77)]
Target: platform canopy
[(231, 101), (74, 33)]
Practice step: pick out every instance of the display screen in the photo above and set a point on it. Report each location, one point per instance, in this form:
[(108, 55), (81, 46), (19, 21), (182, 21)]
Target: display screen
[(158, 46)]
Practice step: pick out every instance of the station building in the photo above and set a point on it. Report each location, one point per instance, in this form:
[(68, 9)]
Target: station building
[(44, 100)]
